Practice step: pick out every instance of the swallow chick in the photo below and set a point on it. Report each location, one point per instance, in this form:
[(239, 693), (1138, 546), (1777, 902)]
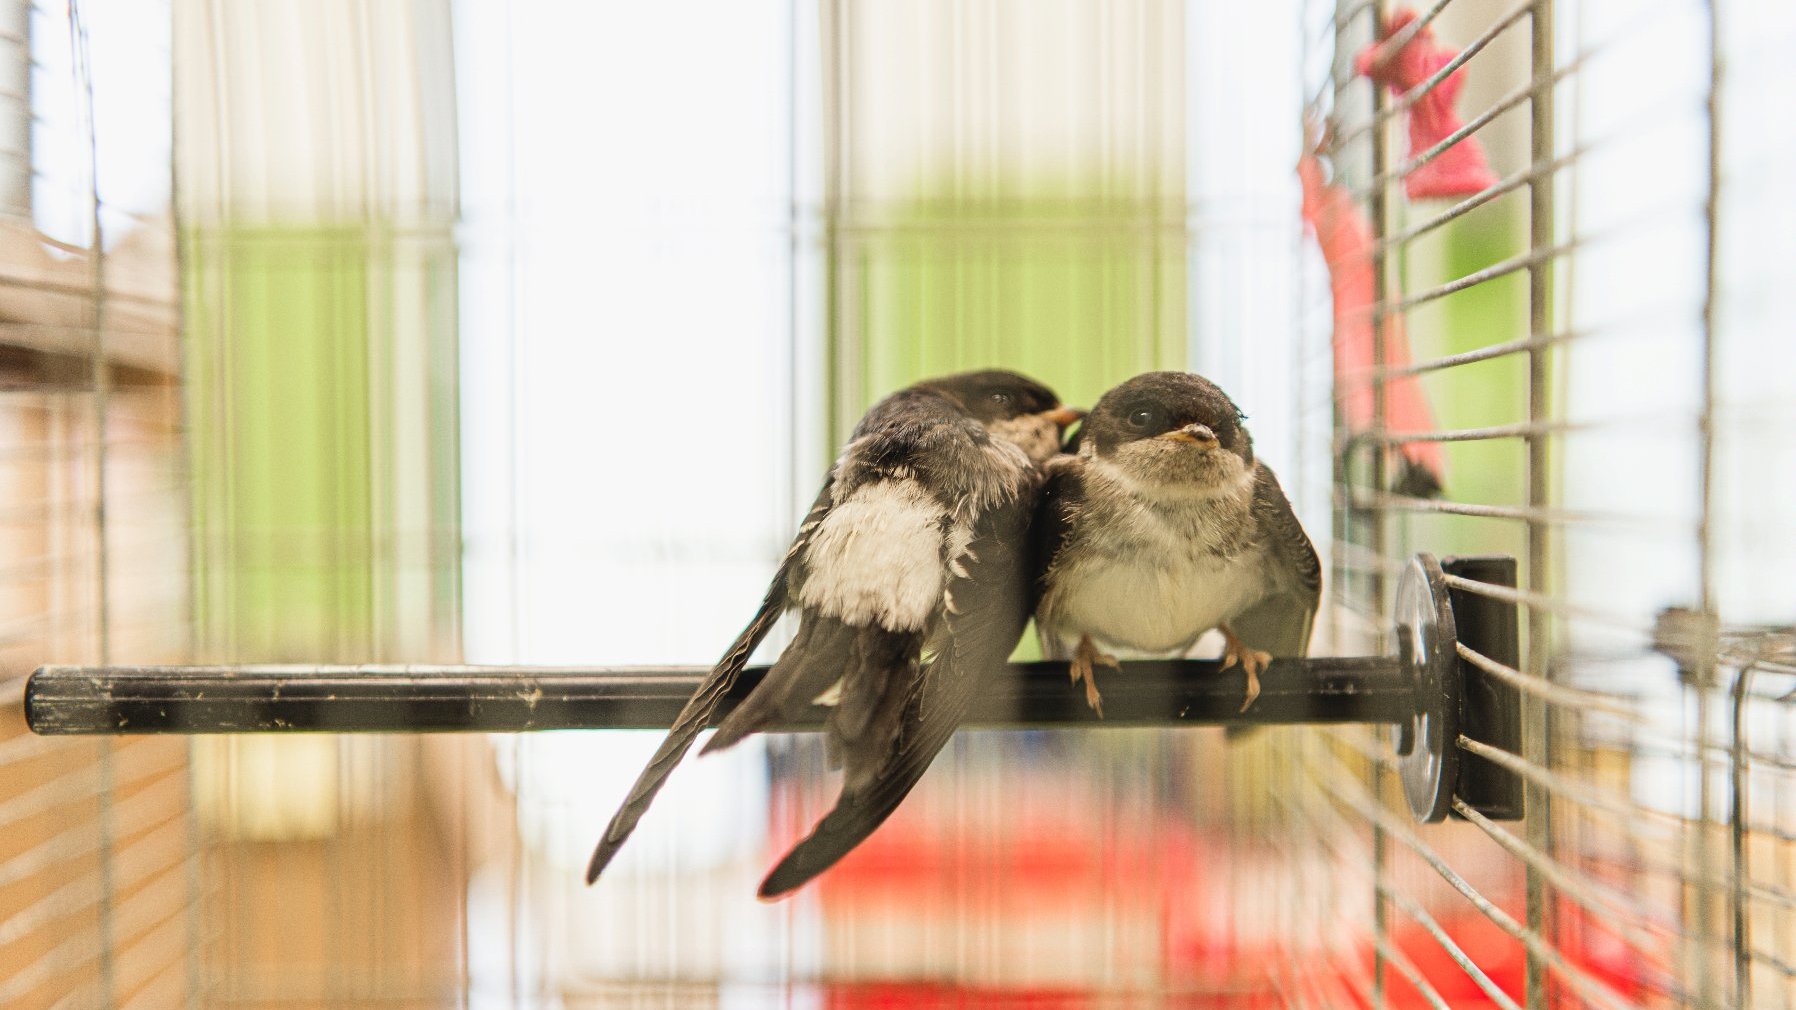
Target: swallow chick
[(912, 581), (1160, 526)]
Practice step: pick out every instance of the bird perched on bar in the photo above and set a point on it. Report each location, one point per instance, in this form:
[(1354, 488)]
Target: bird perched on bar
[(1161, 526), (916, 546)]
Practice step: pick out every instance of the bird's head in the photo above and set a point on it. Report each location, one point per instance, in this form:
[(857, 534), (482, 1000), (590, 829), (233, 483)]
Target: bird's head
[(1012, 407), (1172, 429)]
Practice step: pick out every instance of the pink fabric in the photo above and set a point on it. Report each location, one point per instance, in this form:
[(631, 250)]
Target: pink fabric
[(1345, 237), (1458, 171)]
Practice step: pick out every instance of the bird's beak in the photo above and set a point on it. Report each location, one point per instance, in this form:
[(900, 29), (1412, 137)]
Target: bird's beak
[(1196, 434), (1063, 416)]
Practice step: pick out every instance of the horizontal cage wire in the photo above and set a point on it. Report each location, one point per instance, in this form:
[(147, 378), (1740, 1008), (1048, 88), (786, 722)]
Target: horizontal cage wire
[(1522, 298)]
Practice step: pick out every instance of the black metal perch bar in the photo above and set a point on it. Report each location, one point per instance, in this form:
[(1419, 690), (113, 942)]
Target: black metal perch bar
[(518, 699), (1426, 691)]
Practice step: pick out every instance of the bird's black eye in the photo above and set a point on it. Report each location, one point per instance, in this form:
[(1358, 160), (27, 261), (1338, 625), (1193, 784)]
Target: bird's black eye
[(999, 399), (1143, 419)]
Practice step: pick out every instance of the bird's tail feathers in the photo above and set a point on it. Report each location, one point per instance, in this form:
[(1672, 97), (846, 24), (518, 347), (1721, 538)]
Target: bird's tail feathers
[(981, 627), (861, 665), (924, 720), (807, 669)]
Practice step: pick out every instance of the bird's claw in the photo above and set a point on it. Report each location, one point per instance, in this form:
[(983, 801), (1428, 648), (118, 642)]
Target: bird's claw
[(1251, 661), (1253, 686), (1085, 658)]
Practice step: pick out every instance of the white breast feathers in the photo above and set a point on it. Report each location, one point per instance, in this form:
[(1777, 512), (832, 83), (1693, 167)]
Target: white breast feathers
[(877, 558), (1153, 603)]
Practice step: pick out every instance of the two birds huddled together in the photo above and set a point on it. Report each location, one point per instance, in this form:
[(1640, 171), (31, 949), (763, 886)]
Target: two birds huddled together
[(953, 515)]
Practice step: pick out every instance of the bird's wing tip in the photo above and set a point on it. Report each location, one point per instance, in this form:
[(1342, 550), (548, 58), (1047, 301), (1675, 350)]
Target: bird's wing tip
[(809, 859), (601, 858), (780, 883), (723, 739)]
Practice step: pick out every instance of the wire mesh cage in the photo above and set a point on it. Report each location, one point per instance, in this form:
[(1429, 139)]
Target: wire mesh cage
[(98, 872), (1569, 312), (518, 336)]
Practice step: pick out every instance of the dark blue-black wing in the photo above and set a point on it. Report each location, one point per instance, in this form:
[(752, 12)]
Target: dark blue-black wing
[(1280, 623), (988, 603), (1054, 518)]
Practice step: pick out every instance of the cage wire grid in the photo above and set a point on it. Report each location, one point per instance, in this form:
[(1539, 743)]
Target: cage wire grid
[(99, 876), (1679, 883), (1655, 865)]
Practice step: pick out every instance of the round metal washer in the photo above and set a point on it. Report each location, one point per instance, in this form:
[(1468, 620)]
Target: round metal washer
[(1428, 642)]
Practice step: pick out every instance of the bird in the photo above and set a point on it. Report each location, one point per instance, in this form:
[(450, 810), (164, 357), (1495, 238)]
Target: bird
[(1161, 525), (912, 582)]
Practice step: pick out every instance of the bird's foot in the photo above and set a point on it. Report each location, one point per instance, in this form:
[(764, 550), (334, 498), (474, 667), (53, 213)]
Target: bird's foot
[(1085, 657), (1251, 660)]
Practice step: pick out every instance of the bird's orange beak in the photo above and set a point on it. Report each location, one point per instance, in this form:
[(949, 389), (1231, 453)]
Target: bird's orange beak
[(1194, 434), (1063, 416)]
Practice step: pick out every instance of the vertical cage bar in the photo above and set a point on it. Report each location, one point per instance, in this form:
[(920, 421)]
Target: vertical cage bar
[(1382, 297), (837, 370), (1737, 812), (1536, 718), (106, 981), (193, 958), (1708, 986), (15, 77)]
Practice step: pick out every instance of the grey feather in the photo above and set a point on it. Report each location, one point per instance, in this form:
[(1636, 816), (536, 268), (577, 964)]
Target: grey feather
[(973, 645), (870, 573), (805, 670), (1056, 512), (1280, 623)]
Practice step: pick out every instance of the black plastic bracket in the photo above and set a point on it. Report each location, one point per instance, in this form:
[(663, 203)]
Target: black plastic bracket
[(1427, 690), (1490, 710)]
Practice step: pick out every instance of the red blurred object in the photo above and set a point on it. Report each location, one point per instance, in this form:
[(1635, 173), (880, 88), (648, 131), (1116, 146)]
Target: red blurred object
[(1170, 916), (921, 995), (1345, 237), (1459, 170), (927, 996)]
